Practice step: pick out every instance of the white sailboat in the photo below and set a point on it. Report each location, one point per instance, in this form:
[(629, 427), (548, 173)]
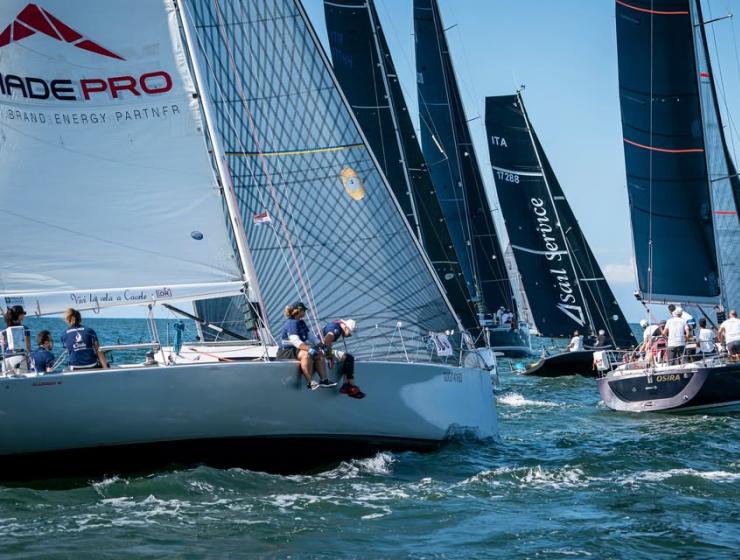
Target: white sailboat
[(108, 114)]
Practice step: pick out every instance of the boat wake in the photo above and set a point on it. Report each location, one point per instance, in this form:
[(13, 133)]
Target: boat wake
[(518, 400)]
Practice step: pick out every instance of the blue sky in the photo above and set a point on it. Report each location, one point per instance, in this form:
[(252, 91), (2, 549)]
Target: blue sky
[(565, 53)]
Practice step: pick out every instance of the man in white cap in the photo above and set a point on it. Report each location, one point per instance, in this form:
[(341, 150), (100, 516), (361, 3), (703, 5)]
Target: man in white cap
[(677, 331), (332, 332)]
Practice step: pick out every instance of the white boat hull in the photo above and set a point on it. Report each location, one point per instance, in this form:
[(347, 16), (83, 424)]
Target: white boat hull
[(421, 403)]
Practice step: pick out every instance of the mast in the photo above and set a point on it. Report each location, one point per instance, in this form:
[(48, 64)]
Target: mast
[(557, 216), (235, 219)]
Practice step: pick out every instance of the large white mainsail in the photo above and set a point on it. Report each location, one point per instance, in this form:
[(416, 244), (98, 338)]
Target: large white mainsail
[(107, 193)]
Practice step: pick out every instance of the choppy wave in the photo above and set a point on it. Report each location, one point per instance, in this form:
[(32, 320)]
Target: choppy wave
[(517, 400)]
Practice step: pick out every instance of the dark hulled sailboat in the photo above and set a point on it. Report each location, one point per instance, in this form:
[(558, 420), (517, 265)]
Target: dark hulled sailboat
[(450, 154), (565, 286), (683, 190), (364, 68)]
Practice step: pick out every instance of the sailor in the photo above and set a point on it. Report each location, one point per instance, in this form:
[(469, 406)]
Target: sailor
[(602, 340), (42, 360), (677, 332), (729, 333), (685, 315), (576, 343), (297, 342), (507, 317), (707, 338), (649, 333), (82, 344), (14, 316), (333, 331), (499, 315)]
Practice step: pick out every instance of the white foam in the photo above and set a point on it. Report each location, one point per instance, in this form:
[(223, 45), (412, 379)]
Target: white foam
[(659, 476), (516, 400), (562, 477)]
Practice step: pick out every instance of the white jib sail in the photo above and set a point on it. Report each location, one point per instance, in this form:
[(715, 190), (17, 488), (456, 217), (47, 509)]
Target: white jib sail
[(106, 184)]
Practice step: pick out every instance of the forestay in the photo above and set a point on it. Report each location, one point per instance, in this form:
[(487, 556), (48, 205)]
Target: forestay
[(565, 287), (107, 192), (322, 224), (449, 152), (364, 67), (664, 147)]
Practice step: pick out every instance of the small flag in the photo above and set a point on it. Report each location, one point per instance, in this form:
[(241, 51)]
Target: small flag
[(262, 218)]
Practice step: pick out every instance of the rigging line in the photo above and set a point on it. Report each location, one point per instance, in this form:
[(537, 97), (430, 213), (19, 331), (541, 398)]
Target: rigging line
[(375, 28), (737, 63), (265, 168), (234, 128), (650, 157), (721, 74)]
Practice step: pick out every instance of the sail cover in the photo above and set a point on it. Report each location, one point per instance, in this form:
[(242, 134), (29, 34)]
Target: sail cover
[(565, 287), (107, 193), (664, 150), (448, 149), (365, 70), (323, 225)]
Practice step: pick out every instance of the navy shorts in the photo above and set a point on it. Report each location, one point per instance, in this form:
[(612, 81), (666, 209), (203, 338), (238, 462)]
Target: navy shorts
[(287, 353), (733, 348)]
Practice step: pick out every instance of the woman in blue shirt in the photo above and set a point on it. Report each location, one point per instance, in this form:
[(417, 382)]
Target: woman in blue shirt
[(81, 343), (42, 360), (297, 342)]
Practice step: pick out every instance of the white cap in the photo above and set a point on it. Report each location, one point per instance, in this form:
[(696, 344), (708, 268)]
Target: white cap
[(679, 310), (643, 323), (602, 331), (351, 325)]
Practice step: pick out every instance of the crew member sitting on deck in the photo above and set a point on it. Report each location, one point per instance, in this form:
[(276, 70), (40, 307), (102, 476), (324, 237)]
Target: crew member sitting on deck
[(576, 343), (677, 332), (42, 360), (602, 341), (297, 342), (729, 333), (81, 344), (333, 331)]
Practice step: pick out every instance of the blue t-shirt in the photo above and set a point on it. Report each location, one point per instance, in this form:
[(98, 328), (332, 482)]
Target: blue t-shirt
[(41, 359), (335, 328), (293, 326), (79, 342)]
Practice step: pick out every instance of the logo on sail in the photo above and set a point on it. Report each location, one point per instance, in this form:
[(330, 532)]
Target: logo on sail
[(352, 184), (33, 19)]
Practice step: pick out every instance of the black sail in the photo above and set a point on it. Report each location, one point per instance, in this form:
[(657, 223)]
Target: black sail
[(664, 150), (449, 152), (565, 287), (365, 70)]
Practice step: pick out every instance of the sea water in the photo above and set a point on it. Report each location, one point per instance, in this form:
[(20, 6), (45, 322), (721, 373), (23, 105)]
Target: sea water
[(568, 479)]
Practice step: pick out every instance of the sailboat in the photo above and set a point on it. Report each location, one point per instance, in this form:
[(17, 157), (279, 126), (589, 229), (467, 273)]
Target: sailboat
[(364, 67), (449, 152), (566, 289), (127, 179), (683, 191)]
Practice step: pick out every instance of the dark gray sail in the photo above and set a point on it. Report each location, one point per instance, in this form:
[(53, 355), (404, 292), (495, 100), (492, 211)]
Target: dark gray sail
[(722, 176), (449, 152), (322, 224), (664, 148), (565, 287), (365, 69)]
